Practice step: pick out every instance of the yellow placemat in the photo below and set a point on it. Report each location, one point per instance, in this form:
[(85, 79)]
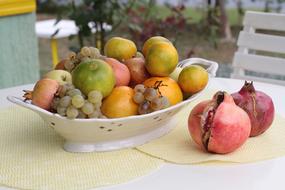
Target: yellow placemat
[(31, 157), (178, 147)]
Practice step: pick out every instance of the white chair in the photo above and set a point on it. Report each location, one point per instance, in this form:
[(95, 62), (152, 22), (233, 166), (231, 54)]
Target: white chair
[(249, 41)]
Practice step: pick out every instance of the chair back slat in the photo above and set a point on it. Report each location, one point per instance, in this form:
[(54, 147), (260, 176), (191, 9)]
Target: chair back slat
[(266, 21), (249, 42), (263, 42), (266, 64)]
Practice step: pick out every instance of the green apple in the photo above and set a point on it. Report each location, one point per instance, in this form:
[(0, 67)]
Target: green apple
[(175, 74), (61, 76)]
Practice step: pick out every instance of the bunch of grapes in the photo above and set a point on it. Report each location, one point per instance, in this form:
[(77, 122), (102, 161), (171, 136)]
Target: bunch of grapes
[(149, 99), (72, 103), (85, 54)]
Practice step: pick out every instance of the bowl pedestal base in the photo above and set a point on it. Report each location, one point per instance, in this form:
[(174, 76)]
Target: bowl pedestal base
[(134, 141)]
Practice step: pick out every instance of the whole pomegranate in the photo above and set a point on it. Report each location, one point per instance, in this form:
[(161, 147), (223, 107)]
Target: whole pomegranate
[(43, 93), (219, 125), (258, 105)]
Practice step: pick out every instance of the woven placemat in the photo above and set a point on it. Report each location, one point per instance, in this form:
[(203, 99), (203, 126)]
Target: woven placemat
[(31, 157), (178, 147)]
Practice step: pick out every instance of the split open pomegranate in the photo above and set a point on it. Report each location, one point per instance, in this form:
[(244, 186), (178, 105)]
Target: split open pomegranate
[(219, 125)]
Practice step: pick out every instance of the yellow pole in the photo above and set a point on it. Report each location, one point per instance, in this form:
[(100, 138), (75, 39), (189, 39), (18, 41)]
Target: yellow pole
[(98, 45), (53, 44)]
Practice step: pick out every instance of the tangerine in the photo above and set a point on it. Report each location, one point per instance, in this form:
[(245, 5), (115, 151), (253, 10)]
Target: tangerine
[(161, 59), (167, 87), (120, 103), (192, 79), (152, 41), (120, 48)]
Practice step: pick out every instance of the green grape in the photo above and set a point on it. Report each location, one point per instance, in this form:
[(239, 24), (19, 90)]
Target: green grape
[(95, 96), (55, 103), (87, 108), (94, 53), (65, 101), (139, 88), (150, 94), (71, 56), (103, 116), (76, 59), (69, 65), (165, 102), (61, 110), (138, 97), (77, 101), (85, 52), (71, 112), (98, 105), (85, 59), (62, 91), (74, 92), (69, 86), (95, 114), (156, 104), (81, 115), (144, 108)]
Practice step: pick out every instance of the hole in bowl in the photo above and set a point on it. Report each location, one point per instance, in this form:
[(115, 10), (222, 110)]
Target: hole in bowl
[(169, 113), (156, 117)]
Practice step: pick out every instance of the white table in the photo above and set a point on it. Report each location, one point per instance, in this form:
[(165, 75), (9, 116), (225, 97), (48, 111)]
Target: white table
[(253, 176)]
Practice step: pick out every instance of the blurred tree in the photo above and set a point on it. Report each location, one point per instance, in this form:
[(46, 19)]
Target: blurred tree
[(144, 22), (50, 6), (280, 3), (240, 10), (225, 26), (95, 15), (268, 5), (217, 19)]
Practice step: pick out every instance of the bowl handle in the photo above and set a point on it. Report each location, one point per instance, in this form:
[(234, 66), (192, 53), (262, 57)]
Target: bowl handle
[(210, 66), (30, 106)]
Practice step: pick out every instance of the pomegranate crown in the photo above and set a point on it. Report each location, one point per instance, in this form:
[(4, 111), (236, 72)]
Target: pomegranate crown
[(247, 87)]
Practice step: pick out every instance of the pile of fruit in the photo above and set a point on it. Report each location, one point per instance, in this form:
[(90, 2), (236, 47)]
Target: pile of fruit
[(122, 82), (125, 82)]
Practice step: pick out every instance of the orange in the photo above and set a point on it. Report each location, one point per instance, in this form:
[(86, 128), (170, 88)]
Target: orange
[(120, 103), (192, 79), (120, 48), (161, 59), (152, 41), (167, 87)]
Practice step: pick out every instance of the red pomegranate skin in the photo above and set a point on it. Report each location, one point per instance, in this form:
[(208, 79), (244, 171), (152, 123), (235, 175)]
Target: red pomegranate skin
[(258, 105), (43, 93), (228, 130), (194, 122)]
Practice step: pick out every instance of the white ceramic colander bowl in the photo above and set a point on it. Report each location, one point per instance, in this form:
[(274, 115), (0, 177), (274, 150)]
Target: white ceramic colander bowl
[(88, 135)]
